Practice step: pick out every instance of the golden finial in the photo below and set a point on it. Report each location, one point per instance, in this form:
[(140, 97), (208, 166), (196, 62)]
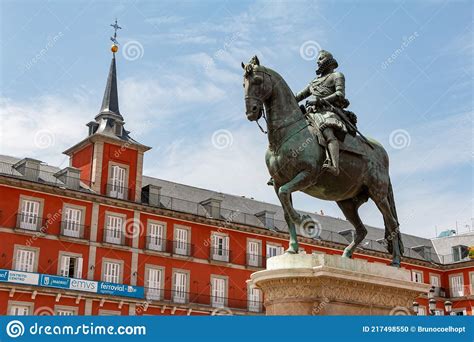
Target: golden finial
[(115, 44)]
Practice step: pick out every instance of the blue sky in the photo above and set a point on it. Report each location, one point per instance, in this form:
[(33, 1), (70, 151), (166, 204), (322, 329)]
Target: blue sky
[(408, 68)]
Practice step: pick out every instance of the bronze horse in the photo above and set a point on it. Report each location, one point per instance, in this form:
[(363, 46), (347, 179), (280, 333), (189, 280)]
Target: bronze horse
[(294, 159)]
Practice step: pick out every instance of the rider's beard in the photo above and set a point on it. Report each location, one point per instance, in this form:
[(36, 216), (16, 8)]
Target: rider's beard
[(326, 66)]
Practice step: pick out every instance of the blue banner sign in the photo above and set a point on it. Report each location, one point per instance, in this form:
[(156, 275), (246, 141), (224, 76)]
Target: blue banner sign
[(121, 290), (66, 283)]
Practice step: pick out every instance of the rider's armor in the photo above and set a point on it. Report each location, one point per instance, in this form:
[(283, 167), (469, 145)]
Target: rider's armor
[(326, 90)]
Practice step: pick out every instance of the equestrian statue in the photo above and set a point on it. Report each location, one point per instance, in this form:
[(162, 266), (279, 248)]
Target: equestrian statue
[(316, 148)]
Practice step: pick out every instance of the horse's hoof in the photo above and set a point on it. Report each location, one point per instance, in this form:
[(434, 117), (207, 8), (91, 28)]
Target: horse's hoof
[(395, 264), (292, 248), (347, 254)]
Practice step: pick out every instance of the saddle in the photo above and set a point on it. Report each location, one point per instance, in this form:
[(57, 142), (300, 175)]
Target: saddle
[(351, 143)]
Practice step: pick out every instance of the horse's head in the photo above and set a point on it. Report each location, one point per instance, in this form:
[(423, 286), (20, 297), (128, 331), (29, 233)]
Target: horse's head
[(257, 88)]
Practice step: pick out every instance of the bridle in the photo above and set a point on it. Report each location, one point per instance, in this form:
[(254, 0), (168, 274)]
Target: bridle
[(265, 92), (264, 115)]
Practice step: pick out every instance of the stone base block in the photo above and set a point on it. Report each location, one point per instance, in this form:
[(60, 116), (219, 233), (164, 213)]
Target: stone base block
[(321, 284)]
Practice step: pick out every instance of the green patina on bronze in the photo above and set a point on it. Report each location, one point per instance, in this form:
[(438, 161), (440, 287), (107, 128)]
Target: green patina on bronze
[(301, 158)]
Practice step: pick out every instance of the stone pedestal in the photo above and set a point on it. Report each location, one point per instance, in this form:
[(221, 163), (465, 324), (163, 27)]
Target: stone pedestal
[(321, 284)]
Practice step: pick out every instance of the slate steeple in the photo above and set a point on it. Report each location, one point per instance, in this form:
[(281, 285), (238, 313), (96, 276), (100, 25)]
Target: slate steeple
[(110, 103)]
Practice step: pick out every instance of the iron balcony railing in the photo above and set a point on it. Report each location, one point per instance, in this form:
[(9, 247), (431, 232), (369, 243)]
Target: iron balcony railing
[(75, 230), (182, 248), (157, 244), (460, 291), (184, 297), (32, 222), (116, 237), (117, 191), (219, 254), (256, 260)]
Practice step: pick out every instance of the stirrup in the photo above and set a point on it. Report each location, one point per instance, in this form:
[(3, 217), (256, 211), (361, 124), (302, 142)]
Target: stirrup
[(331, 168)]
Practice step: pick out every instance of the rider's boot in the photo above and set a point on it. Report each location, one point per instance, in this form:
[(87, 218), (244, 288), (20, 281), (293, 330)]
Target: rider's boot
[(332, 164)]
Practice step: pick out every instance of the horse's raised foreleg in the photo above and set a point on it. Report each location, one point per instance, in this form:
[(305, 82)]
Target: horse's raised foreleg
[(391, 229), (349, 208), (299, 183), (293, 243)]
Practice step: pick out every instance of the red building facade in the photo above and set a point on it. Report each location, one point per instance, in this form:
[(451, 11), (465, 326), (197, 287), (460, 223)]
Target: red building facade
[(99, 238)]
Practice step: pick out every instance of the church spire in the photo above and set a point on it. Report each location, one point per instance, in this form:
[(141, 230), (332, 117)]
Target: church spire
[(110, 105)]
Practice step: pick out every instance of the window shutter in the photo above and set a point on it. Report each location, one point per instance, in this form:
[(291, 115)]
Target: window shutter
[(79, 268), (65, 262)]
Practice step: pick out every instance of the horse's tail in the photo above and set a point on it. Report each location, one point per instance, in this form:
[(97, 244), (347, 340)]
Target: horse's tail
[(393, 209)]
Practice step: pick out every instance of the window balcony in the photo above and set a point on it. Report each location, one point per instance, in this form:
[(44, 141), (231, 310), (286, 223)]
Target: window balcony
[(156, 244), (219, 254), (181, 248), (154, 293), (75, 230), (117, 191), (256, 260), (461, 291), (31, 222), (115, 237), (254, 305)]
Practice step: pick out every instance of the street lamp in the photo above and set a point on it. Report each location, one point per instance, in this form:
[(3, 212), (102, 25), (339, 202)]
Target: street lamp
[(448, 306), (415, 307), (432, 305), (431, 293)]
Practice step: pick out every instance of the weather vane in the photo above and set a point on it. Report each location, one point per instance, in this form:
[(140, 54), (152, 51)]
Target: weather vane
[(114, 47)]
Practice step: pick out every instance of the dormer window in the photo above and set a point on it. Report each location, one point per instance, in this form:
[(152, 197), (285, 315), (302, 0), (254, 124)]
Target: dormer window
[(118, 129), (267, 218), (460, 253), (347, 234), (213, 207)]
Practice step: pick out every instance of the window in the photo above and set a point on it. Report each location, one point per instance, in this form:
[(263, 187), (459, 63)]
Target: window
[(218, 291), (72, 222), (255, 299), (20, 310), (220, 247), (114, 229), (180, 286), (274, 250), (153, 283), (254, 257), (460, 253), (112, 272), (117, 186), (434, 280), (156, 237), (65, 311), (417, 276), (71, 266), (181, 238), (25, 260), (457, 285), (439, 313), (29, 216), (421, 311), (109, 313)]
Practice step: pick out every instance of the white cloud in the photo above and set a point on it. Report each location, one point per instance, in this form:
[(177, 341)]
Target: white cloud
[(42, 128)]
